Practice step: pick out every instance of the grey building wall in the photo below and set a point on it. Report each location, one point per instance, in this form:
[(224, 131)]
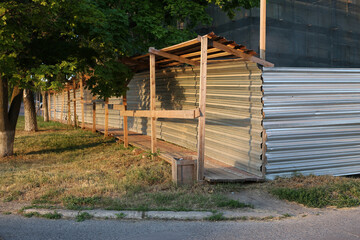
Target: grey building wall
[(300, 33)]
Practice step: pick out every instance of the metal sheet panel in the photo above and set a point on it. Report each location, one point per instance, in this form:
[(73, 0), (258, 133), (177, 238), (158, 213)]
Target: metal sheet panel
[(312, 121), (233, 123)]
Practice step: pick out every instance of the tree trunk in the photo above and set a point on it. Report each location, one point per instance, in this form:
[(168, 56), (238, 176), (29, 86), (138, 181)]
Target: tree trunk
[(30, 111), (8, 117), (45, 107)]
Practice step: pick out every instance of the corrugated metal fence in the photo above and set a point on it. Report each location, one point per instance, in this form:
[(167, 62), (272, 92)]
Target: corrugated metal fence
[(312, 120), (233, 110)]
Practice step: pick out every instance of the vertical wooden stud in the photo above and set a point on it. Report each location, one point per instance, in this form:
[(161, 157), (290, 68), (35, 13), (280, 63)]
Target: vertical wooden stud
[(74, 94), (125, 124), (262, 28), (202, 106), (55, 102), (68, 106), (152, 104), (62, 106), (106, 130), (94, 115), (82, 103), (49, 107)]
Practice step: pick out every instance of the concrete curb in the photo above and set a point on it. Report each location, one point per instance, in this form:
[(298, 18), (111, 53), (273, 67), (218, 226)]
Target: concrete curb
[(165, 215)]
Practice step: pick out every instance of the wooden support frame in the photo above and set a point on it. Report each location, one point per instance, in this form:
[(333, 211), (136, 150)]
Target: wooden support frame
[(106, 130), (49, 104), (172, 57), (182, 114), (125, 123), (55, 102), (62, 106), (153, 104), (82, 103), (68, 107), (262, 29), (94, 115), (74, 94), (202, 106), (238, 53)]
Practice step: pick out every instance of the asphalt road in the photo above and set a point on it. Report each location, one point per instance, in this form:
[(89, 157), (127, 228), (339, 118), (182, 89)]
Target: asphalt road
[(341, 224)]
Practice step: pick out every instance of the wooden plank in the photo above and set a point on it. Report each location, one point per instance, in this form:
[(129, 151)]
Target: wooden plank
[(262, 29), (94, 115), (106, 130), (74, 93), (49, 107), (125, 124), (182, 114), (202, 106), (86, 101), (82, 103), (62, 105), (153, 103), (172, 56), (238, 53), (69, 110), (54, 106)]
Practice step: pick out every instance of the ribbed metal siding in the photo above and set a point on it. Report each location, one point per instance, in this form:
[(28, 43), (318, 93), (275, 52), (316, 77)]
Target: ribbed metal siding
[(233, 108), (312, 121)]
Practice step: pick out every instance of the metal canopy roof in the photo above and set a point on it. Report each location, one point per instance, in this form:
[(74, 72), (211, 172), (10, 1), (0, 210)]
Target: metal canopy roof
[(220, 49)]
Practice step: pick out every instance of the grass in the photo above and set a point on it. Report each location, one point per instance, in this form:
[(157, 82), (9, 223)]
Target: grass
[(76, 169), (318, 191)]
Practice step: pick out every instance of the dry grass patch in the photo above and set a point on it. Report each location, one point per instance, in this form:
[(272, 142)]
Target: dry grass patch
[(318, 191), (77, 169)]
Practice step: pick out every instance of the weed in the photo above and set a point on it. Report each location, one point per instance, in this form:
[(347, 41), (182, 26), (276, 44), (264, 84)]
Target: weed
[(6, 213), (83, 216), (120, 215), (54, 215), (216, 217), (78, 203), (230, 203), (31, 214), (286, 215)]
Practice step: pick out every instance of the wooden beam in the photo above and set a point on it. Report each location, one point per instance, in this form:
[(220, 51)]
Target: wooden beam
[(238, 53), (94, 115), (55, 106), (183, 114), (106, 130), (125, 123), (69, 110), (153, 104), (62, 106), (202, 106), (74, 93), (49, 108), (262, 29), (82, 103), (172, 56)]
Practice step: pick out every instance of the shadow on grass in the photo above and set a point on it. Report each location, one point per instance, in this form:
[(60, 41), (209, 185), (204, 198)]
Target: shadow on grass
[(65, 149)]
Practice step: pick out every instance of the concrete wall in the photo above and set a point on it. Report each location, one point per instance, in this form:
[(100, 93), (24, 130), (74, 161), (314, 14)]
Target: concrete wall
[(300, 33)]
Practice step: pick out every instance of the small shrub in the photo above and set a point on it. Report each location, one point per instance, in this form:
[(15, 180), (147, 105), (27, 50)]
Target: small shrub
[(54, 215)]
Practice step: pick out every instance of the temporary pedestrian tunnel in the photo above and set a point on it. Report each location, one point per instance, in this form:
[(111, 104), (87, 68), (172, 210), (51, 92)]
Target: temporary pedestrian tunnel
[(259, 122)]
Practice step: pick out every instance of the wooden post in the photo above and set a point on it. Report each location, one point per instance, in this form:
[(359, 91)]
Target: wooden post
[(94, 115), (125, 124), (54, 106), (74, 94), (106, 130), (152, 104), (202, 106), (49, 108), (62, 106), (69, 110), (262, 28), (82, 103)]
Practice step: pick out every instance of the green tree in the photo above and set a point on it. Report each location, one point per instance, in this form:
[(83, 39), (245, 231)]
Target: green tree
[(45, 42)]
